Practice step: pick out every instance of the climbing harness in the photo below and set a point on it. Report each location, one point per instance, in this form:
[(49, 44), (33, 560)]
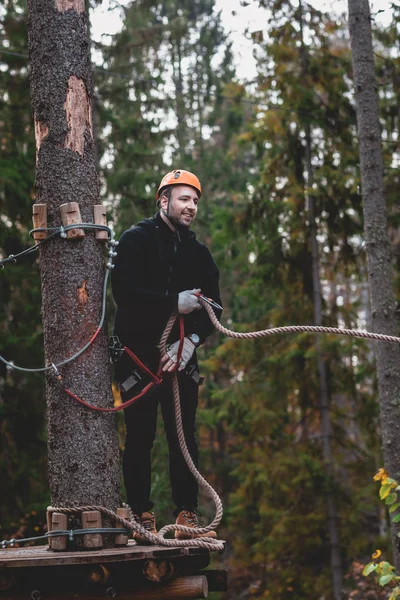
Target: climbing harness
[(156, 379)]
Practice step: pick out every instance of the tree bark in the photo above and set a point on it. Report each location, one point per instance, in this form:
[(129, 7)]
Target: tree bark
[(83, 458), (383, 306)]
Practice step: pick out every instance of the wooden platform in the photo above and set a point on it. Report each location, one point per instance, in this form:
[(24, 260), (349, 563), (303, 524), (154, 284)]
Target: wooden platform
[(42, 556), (131, 572)]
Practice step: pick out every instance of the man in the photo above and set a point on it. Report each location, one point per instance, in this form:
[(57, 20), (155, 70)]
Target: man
[(160, 267)]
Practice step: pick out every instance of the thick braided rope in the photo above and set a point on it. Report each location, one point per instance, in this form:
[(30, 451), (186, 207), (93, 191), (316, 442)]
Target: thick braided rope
[(209, 543), (165, 335), (196, 474), (136, 527), (295, 329), (185, 452)]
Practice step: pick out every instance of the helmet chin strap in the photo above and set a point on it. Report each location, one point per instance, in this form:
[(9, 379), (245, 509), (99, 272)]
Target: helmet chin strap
[(168, 216), (174, 223)]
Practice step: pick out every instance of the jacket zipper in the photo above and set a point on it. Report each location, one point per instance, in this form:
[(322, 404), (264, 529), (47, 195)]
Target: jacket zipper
[(176, 238)]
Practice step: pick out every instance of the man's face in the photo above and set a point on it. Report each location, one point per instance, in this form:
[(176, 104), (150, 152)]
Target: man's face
[(182, 206)]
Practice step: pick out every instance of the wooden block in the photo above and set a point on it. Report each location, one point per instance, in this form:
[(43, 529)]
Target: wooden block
[(100, 219), (39, 218), (193, 586), (99, 574), (48, 521), (91, 520), (158, 570), (58, 521), (122, 538), (71, 214)]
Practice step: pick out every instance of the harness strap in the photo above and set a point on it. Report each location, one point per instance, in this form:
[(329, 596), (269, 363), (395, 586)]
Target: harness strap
[(156, 379)]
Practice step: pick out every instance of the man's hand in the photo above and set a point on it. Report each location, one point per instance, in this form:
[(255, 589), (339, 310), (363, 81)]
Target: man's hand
[(188, 302), (170, 358)]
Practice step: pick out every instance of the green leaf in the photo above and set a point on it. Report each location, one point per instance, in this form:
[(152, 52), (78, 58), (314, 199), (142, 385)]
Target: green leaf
[(394, 507), (386, 579), (395, 593), (396, 519), (384, 491), (391, 499), (386, 568), (369, 568)]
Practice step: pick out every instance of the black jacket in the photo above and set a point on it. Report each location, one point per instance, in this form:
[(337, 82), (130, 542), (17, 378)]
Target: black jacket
[(152, 266)]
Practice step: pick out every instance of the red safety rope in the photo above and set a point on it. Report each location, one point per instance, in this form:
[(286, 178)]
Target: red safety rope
[(157, 379), (115, 408)]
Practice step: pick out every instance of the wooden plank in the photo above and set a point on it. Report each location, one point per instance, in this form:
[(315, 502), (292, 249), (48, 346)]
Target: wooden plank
[(193, 586), (71, 214), (90, 520), (58, 521), (100, 219), (39, 217), (188, 587), (41, 556), (122, 539)]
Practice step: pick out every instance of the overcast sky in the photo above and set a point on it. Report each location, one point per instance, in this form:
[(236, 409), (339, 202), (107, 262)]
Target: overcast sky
[(236, 19)]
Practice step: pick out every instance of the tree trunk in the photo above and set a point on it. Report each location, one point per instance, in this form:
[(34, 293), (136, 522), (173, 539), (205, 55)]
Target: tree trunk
[(383, 306), (179, 94), (326, 427), (83, 455)]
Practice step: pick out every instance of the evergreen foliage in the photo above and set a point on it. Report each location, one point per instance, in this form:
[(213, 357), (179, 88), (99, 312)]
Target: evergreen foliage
[(168, 95), (22, 406)]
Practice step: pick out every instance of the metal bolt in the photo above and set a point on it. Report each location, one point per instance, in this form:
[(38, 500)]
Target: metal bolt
[(111, 592), (36, 595)]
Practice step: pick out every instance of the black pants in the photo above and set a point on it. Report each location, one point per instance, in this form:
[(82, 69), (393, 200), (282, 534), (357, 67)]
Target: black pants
[(141, 421)]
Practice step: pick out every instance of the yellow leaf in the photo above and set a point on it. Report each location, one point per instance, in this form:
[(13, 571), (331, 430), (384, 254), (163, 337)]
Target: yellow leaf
[(377, 554), (381, 474)]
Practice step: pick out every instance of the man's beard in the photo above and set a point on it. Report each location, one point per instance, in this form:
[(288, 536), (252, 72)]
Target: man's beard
[(176, 222)]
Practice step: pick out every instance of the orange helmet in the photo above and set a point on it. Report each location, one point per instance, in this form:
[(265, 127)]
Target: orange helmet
[(179, 177)]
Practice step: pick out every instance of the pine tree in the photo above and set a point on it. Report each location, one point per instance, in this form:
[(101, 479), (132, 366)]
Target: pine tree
[(272, 413), (82, 445), (383, 305)]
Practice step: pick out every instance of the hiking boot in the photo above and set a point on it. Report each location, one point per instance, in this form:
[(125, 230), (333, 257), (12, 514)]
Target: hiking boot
[(147, 520), (190, 518)]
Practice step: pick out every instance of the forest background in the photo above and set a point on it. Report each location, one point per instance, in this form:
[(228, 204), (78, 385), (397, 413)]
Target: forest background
[(166, 93)]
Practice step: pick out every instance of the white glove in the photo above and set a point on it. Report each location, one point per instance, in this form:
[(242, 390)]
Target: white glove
[(169, 359), (188, 302)]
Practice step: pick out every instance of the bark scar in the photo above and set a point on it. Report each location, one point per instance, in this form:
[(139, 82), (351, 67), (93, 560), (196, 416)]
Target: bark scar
[(41, 130), (83, 294), (63, 5), (79, 115)]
